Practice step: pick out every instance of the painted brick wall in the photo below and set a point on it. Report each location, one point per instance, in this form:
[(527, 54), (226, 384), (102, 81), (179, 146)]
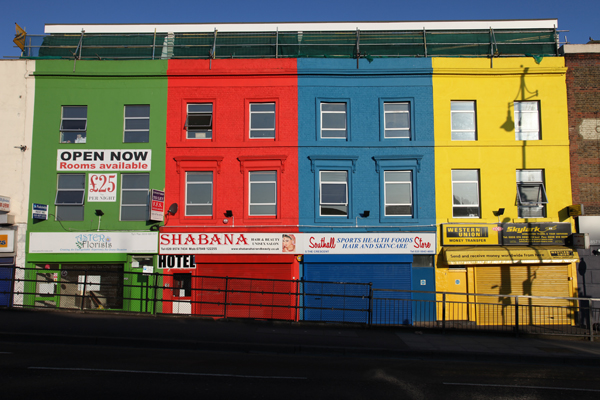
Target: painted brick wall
[(583, 94)]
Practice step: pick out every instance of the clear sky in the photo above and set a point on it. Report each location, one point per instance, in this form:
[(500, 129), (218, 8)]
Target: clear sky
[(580, 17)]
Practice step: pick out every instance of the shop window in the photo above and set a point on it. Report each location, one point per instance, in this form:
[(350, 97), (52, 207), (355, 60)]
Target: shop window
[(463, 120), (199, 121), (199, 193), (531, 194), (527, 120), (134, 197), (136, 124), (396, 118), (73, 124), (422, 261), (334, 121), (182, 284), (263, 193), (262, 120), (398, 193), (333, 193), (465, 193), (70, 195)]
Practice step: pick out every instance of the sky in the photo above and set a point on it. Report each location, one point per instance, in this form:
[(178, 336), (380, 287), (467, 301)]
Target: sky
[(578, 17)]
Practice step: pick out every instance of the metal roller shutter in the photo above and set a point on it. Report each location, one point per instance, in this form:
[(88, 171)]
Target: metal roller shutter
[(384, 272), (533, 280)]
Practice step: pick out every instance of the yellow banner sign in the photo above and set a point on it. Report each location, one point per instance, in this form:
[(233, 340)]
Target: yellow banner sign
[(464, 234), (510, 255)]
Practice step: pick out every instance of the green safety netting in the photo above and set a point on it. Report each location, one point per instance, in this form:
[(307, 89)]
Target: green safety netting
[(346, 44), (135, 46)]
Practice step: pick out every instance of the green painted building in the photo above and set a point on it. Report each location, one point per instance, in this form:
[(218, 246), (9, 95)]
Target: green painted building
[(98, 153)]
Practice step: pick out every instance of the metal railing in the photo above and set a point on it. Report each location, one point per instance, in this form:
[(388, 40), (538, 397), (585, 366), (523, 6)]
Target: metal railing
[(111, 288)]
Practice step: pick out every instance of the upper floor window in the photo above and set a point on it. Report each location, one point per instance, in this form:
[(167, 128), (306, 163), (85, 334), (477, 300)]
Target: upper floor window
[(398, 193), (527, 120), (333, 193), (199, 193), (262, 120), (531, 193), (333, 121), (70, 194), (396, 120), (465, 193), (199, 121), (463, 120), (134, 197), (137, 124), (73, 124), (263, 193)]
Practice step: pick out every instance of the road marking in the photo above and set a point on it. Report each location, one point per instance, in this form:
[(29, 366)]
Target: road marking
[(168, 373), (522, 387)]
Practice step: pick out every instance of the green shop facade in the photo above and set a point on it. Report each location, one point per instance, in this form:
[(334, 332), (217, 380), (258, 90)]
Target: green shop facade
[(98, 153)]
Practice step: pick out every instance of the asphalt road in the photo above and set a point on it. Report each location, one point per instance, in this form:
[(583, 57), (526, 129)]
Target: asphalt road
[(63, 371)]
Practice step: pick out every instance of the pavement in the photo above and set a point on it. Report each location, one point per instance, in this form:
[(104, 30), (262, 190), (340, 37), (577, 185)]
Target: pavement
[(303, 338)]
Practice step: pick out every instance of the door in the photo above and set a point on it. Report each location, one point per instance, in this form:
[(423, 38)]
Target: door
[(456, 306)]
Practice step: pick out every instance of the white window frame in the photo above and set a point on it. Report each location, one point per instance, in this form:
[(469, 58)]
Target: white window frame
[(211, 188), (126, 118), (122, 206), (344, 129), (251, 113), (322, 203), (69, 204), (385, 115), (64, 129), (251, 184), (526, 134), (206, 132), (387, 182), (456, 132), (473, 205), (533, 178)]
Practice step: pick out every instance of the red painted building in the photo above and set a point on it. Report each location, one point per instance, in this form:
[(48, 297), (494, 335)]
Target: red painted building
[(232, 167)]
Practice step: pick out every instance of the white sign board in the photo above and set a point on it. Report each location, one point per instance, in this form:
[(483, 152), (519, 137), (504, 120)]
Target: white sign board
[(39, 211), (157, 205), (4, 203), (297, 243), (7, 241), (93, 242), (104, 160), (581, 240), (102, 188)]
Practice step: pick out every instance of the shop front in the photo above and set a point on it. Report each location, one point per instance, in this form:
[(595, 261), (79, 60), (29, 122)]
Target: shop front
[(498, 262), (92, 270), (273, 275)]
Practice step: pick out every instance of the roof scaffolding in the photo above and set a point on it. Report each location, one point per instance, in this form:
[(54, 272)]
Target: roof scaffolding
[(495, 41)]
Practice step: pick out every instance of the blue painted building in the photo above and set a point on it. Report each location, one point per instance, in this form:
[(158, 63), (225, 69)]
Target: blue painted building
[(366, 165)]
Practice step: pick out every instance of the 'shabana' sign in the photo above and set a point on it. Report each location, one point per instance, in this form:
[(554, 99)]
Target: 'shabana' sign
[(104, 160), (297, 243)]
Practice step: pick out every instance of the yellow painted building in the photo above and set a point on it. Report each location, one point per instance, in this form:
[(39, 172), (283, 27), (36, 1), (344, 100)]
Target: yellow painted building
[(501, 142)]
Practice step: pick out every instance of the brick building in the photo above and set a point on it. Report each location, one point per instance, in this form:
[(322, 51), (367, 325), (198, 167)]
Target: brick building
[(583, 96)]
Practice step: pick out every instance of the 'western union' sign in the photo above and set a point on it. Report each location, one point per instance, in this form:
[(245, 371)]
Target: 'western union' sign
[(462, 234)]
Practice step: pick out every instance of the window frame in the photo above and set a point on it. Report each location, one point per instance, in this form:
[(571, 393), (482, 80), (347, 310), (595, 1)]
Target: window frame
[(121, 205), (347, 200), (212, 194), (250, 204), (385, 188), (212, 120), (462, 131), (75, 204), (125, 118), (519, 132), (73, 131), (346, 112), (385, 113), (478, 204), (250, 113), (541, 186)]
